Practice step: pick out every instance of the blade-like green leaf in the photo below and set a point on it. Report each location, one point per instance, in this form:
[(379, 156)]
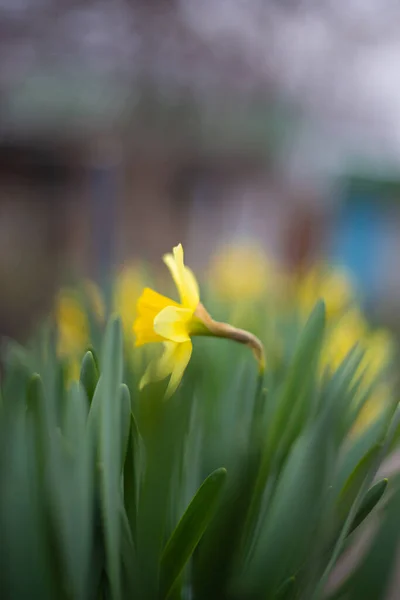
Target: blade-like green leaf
[(353, 484), (293, 405), (132, 474), (70, 467), (285, 592), (293, 513), (110, 449), (299, 376), (371, 499), (190, 529), (89, 375), (360, 447), (125, 400), (26, 560), (36, 407), (372, 579)]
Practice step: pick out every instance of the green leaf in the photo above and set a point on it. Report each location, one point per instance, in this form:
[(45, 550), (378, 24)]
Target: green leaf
[(34, 392), (110, 449), (14, 386), (71, 477), (286, 590), (360, 447), (26, 560), (36, 406), (353, 484), (372, 578), (89, 375), (14, 354), (93, 421), (91, 349), (294, 404), (132, 474), (128, 555), (293, 513), (215, 560), (371, 499), (125, 400), (190, 529)]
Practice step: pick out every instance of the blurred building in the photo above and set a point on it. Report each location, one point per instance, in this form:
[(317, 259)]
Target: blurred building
[(127, 127)]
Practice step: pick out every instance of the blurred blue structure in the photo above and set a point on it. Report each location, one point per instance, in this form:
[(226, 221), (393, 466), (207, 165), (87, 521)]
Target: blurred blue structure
[(356, 241)]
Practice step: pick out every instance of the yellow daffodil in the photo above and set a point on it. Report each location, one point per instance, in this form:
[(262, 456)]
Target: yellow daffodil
[(73, 328), (242, 272), (333, 285), (160, 319)]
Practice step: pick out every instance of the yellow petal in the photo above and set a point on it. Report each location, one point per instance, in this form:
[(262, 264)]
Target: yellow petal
[(181, 359), (159, 368), (149, 305), (184, 279), (173, 362), (151, 301), (145, 334), (172, 323)]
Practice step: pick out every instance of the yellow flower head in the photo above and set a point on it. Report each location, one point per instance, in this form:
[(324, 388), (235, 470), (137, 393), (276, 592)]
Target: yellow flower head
[(160, 319)]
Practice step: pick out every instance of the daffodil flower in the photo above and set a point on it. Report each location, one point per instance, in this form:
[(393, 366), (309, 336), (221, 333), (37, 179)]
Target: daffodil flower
[(160, 319)]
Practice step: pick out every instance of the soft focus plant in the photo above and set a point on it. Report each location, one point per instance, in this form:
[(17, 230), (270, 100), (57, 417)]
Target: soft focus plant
[(241, 485)]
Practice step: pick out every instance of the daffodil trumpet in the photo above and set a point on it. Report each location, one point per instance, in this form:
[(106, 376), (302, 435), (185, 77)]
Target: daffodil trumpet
[(160, 319)]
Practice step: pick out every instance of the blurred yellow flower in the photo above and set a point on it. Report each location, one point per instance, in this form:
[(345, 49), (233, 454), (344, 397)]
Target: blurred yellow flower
[(241, 272), (333, 285), (160, 319), (381, 347), (379, 353), (73, 329), (128, 287), (342, 335)]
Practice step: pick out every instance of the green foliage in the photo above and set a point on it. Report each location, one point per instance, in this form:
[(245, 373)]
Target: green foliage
[(89, 375), (190, 529), (369, 502), (233, 489)]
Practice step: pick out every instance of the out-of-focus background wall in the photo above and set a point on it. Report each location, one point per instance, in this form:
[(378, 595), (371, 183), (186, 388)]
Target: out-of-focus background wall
[(129, 126)]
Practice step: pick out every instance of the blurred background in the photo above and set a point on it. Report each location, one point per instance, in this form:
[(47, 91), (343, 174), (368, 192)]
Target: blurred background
[(128, 126)]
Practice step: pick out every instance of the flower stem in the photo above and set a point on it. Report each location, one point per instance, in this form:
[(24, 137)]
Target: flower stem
[(224, 330)]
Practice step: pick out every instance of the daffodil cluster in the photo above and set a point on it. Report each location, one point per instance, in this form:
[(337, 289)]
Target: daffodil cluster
[(242, 278)]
